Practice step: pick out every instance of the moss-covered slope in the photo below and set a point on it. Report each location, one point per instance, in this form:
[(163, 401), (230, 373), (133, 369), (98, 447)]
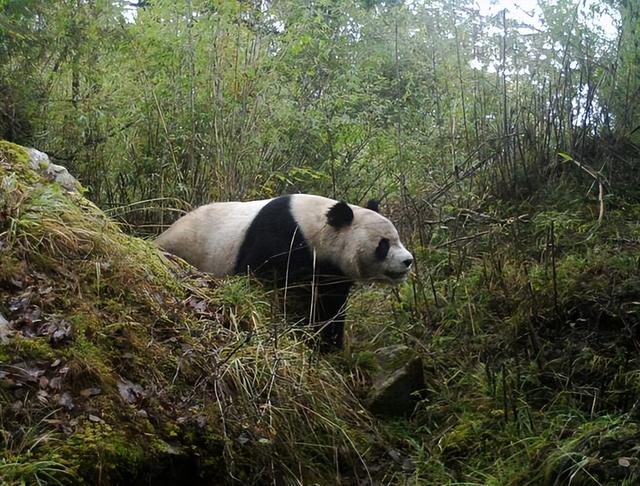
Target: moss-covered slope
[(119, 366)]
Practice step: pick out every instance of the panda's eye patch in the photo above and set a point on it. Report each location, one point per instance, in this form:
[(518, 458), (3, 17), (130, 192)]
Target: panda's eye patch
[(383, 249)]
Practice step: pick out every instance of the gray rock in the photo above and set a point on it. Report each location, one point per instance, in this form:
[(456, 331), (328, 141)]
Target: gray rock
[(390, 357), (41, 163), (5, 330), (395, 395)]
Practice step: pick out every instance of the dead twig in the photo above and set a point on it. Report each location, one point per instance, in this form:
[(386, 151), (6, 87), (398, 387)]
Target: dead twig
[(463, 238), (597, 176)]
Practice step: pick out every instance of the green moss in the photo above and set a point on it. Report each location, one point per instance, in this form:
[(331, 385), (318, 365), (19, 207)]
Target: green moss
[(10, 266), (88, 365), (366, 360), (6, 353), (34, 348), (14, 158), (101, 453)]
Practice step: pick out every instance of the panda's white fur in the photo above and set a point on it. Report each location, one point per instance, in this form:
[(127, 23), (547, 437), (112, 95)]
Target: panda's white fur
[(296, 239), (210, 236)]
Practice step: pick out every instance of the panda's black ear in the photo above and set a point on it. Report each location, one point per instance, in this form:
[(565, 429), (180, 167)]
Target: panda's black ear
[(374, 205), (340, 215)]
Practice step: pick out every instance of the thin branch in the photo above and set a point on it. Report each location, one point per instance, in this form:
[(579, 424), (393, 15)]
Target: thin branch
[(463, 238)]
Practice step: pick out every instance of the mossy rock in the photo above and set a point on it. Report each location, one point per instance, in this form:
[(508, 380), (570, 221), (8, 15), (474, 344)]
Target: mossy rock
[(15, 159)]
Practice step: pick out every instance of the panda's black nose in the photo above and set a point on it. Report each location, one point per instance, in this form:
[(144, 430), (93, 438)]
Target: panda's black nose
[(408, 262)]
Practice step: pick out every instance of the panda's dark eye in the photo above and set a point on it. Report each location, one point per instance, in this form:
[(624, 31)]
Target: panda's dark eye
[(383, 249)]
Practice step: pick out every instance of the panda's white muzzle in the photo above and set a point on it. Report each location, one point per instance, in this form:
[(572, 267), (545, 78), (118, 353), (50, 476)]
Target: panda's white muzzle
[(400, 263)]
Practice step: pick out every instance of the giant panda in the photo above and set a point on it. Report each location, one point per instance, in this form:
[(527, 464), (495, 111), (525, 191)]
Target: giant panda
[(297, 240)]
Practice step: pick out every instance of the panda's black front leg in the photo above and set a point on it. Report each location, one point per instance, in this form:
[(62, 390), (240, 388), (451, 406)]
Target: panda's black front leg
[(330, 313)]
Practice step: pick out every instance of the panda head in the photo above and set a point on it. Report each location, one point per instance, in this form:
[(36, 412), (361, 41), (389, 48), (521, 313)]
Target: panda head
[(364, 244)]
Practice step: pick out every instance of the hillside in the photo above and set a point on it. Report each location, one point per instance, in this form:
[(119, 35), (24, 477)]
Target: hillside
[(121, 366)]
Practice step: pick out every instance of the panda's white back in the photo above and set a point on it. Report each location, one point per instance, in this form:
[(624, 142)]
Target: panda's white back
[(210, 236)]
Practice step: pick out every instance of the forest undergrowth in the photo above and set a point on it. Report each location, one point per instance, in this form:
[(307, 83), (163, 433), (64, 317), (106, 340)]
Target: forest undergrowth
[(119, 364), (527, 316)]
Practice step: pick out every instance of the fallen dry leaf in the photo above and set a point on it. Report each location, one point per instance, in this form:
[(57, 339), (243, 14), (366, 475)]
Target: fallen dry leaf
[(58, 330), (624, 462), (5, 330), (90, 392), (43, 397), (24, 372), (66, 401), (55, 383), (199, 305), (130, 392)]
